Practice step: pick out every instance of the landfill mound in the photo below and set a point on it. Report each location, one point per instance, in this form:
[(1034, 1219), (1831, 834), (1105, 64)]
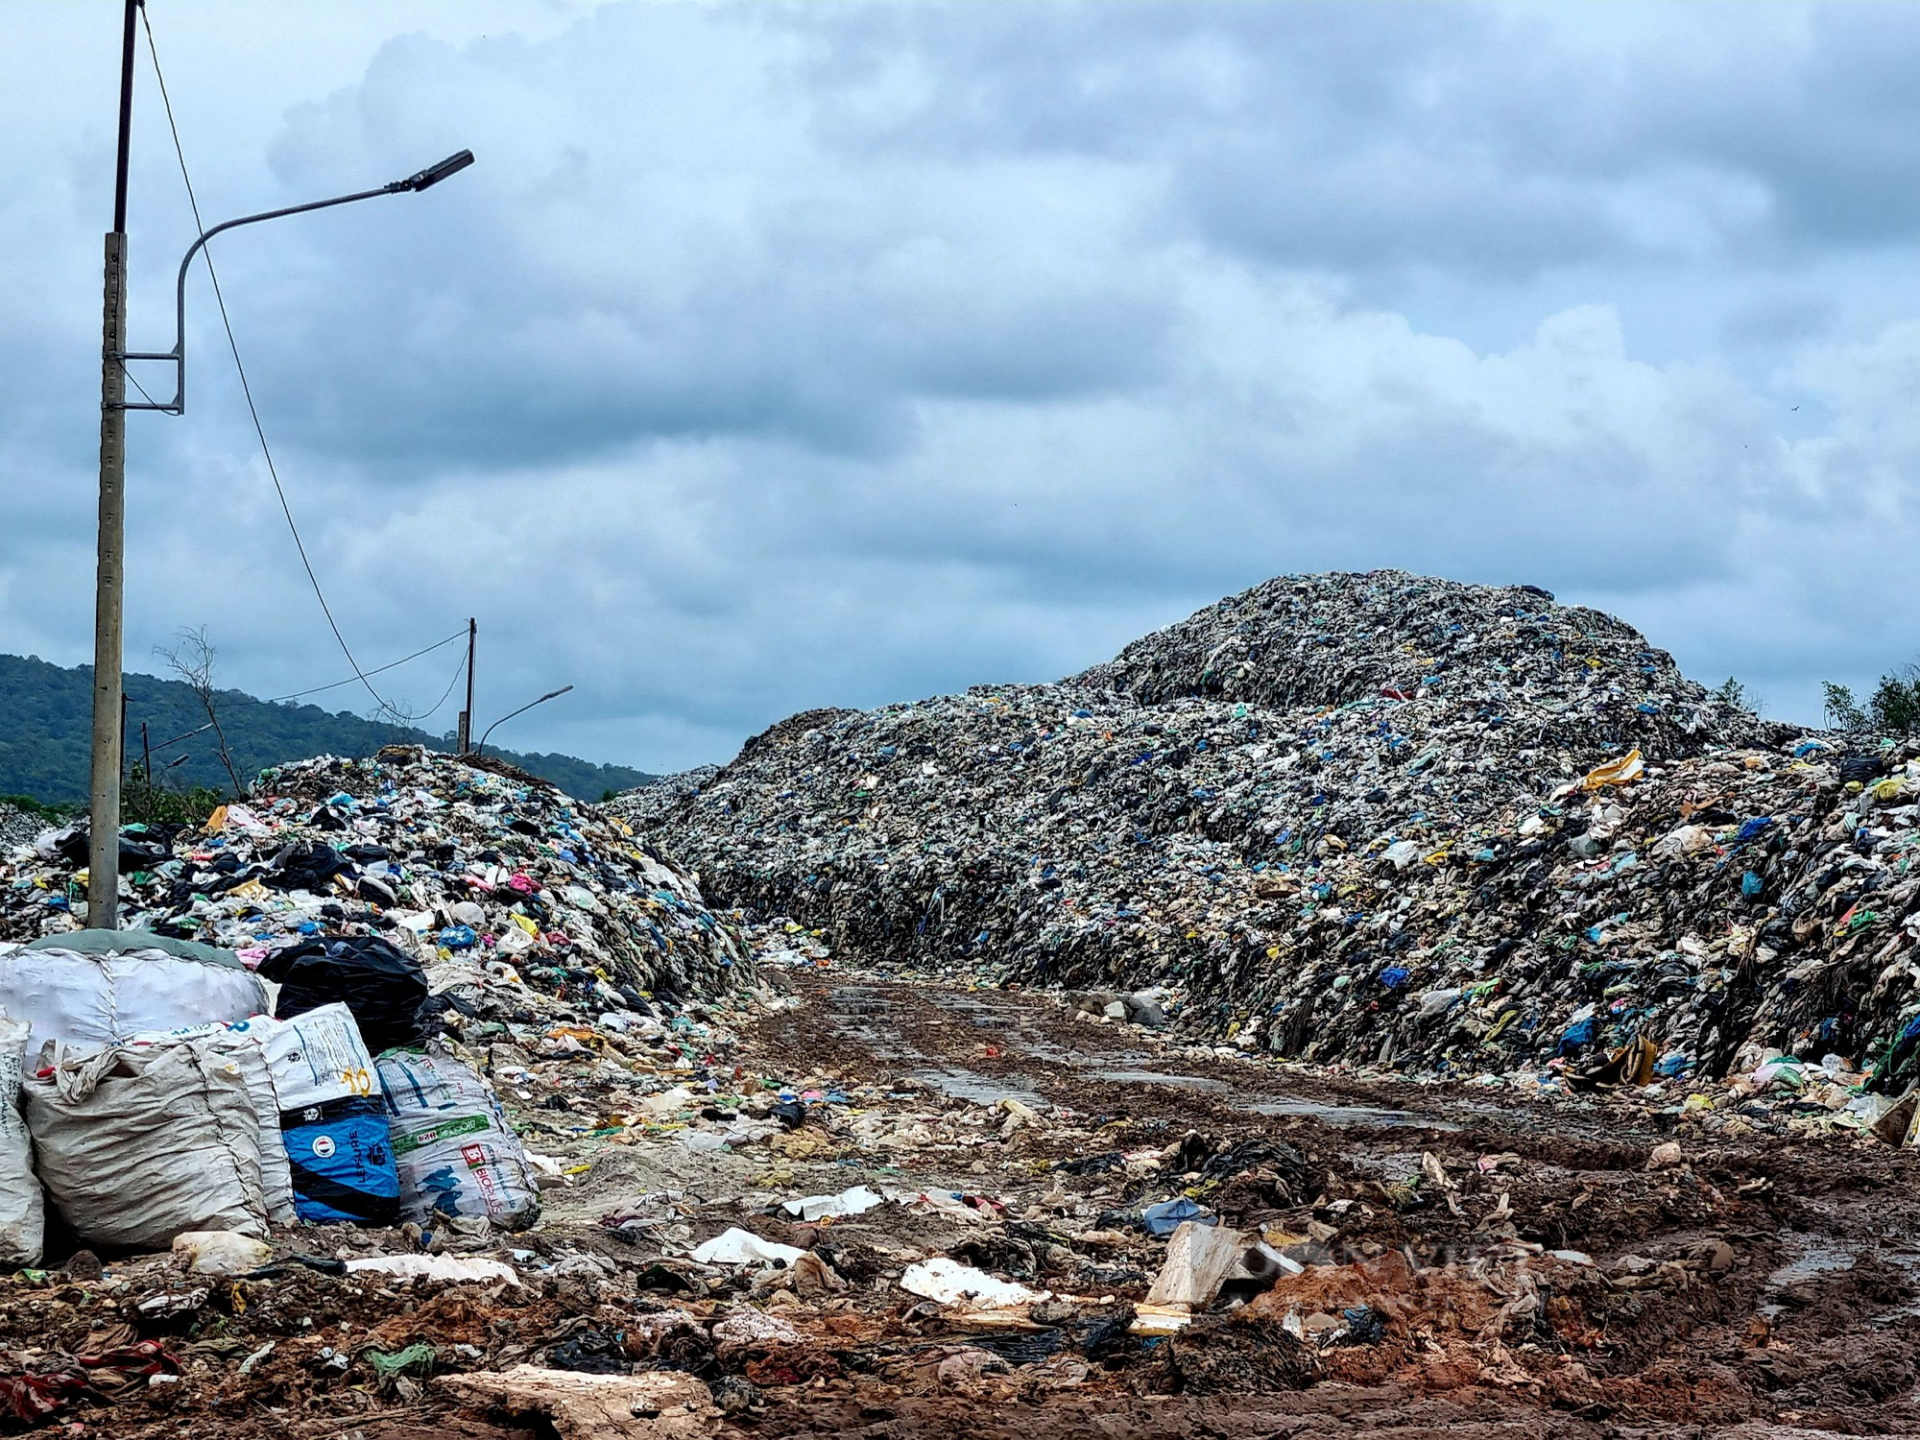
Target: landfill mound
[(1571, 674), (646, 807), (1553, 850), (17, 826), (447, 861)]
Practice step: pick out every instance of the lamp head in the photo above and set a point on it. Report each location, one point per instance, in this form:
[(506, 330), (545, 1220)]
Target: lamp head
[(434, 174)]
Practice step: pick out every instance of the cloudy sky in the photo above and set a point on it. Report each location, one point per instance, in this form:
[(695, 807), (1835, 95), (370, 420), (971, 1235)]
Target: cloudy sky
[(776, 356)]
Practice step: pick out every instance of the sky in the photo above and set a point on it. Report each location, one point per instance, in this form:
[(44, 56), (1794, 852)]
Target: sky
[(774, 356)]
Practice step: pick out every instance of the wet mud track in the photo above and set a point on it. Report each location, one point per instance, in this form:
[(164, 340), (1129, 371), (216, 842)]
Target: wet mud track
[(1469, 1261), (1762, 1287)]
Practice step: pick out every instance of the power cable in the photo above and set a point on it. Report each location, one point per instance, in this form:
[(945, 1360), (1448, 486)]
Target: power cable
[(391, 664), (458, 670), (246, 389)]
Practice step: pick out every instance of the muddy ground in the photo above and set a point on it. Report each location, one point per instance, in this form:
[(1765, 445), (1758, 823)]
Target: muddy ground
[(1472, 1261)]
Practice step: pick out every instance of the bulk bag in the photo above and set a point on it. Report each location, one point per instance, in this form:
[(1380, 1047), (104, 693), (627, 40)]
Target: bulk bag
[(103, 987), (333, 1118), (137, 1145), (458, 1158)]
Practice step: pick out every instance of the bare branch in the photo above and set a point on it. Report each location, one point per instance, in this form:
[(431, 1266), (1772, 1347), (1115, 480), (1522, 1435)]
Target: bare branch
[(192, 661)]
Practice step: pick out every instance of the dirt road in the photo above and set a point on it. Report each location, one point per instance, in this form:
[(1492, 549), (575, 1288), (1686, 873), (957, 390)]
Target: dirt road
[(1467, 1261), (1760, 1287)]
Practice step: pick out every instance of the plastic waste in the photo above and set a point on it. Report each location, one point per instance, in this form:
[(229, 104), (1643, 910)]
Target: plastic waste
[(951, 1283), (856, 1201), (1168, 1216), (743, 1247), (1627, 768), (220, 1252), (456, 1154), (383, 987), (474, 1269)]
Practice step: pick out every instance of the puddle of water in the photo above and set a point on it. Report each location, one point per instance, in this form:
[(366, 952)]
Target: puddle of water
[(1329, 1114), (1015, 1022), (980, 1089), (1811, 1264), (1156, 1077), (865, 1015)]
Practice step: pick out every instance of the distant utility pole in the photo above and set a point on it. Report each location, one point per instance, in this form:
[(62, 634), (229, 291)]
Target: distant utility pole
[(103, 791), (466, 715)]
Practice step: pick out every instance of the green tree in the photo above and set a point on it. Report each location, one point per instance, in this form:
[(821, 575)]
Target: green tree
[(1843, 711), (1894, 708), (46, 720), (147, 801), (1736, 696)]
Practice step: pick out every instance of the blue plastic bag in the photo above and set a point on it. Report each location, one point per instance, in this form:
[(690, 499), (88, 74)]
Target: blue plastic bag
[(1163, 1219)]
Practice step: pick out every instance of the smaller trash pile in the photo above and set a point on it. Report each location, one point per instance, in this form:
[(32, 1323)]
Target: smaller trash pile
[(17, 826), (438, 856), (153, 1083)]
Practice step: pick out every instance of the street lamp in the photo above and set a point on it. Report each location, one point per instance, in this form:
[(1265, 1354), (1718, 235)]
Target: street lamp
[(413, 184), (103, 797), (481, 748)]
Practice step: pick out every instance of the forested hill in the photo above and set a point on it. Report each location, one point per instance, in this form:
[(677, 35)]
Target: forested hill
[(46, 714)]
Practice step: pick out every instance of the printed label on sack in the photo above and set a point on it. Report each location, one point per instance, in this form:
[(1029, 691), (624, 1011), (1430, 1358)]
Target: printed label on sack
[(481, 1164), (318, 1057), (449, 1129)]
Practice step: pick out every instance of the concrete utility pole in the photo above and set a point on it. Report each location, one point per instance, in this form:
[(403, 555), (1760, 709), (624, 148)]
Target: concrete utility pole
[(466, 715), (109, 740), (103, 791)]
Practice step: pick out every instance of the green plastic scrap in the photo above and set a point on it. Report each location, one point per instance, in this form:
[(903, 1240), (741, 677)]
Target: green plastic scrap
[(414, 1360)]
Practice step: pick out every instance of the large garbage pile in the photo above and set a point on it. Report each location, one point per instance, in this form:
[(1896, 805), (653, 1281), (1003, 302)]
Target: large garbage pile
[(1509, 655), (1354, 817)]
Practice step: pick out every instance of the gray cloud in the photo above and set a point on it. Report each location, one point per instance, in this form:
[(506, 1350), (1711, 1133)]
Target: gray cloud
[(783, 356)]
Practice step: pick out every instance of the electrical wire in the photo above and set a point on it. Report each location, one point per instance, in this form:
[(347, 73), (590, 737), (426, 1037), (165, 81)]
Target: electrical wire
[(247, 390), (459, 634), (458, 671)]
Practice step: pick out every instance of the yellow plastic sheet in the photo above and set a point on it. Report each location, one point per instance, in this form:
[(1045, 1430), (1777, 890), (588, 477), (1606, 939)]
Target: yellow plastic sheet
[(1617, 772)]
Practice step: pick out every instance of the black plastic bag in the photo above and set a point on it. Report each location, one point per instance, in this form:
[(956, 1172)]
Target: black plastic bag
[(383, 987)]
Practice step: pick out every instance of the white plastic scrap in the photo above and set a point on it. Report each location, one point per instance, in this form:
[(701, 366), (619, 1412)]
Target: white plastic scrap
[(856, 1201), (437, 1267), (952, 1283), (743, 1247)]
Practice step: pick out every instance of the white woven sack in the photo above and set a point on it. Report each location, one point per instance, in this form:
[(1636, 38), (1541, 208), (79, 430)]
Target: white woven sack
[(136, 1146)]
